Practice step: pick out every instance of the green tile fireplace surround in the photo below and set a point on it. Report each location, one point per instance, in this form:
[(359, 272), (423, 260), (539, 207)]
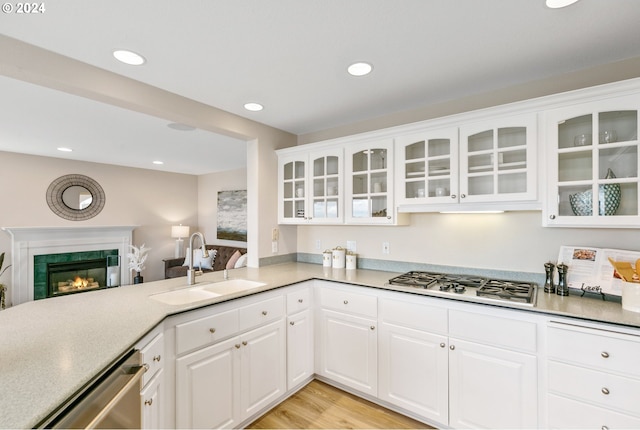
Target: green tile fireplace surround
[(40, 266)]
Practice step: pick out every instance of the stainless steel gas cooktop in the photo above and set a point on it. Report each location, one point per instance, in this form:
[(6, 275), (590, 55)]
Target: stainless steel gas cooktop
[(470, 288)]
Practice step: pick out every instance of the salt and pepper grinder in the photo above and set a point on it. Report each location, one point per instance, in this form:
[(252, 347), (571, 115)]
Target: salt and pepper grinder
[(548, 283), (562, 288)]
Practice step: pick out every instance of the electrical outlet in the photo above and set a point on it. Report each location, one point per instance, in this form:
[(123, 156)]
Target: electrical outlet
[(274, 246), (275, 234), (351, 245), (318, 245), (385, 247)]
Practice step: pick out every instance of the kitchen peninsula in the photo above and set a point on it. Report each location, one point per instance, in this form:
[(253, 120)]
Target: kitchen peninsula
[(54, 347)]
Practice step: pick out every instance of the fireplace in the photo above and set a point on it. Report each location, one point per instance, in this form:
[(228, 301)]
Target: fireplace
[(76, 276), (75, 272), (29, 244)]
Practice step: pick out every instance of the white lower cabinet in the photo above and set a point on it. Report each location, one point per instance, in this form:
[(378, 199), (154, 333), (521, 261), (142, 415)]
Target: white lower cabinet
[(414, 371), (152, 396), (594, 377), (491, 387), (299, 348), (300, 334), (208, 387), (348, 338), (475, 382), (230, 361)]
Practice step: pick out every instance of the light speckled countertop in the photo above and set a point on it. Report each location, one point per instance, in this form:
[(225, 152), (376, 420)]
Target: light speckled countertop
[(52, 348)]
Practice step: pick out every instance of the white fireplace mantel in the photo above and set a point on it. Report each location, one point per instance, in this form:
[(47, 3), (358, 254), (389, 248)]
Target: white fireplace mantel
[(27, 242)]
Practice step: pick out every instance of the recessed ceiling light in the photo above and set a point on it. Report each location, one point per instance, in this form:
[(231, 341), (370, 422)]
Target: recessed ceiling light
[(158, 162), (360, 69), (253, 107), (181, 127), (62, 149), (129, 57), (557, 4)]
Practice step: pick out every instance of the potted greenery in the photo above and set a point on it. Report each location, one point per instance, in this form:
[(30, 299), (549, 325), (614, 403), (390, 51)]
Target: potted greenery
[(137, 257), (2, 287)]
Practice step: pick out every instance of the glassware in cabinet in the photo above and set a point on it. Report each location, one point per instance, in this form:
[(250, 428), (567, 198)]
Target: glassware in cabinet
[(369, 183), (593, 170)]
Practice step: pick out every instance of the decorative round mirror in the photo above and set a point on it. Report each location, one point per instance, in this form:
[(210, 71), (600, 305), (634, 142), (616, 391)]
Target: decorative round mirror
[(75, 197)]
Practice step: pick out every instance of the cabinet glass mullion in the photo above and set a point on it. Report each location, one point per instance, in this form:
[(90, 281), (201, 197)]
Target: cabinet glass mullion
[(598, 164), (294, 190), (369, 183)]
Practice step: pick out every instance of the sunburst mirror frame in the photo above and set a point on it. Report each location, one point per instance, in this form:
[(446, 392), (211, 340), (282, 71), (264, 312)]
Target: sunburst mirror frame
[(57, 205)]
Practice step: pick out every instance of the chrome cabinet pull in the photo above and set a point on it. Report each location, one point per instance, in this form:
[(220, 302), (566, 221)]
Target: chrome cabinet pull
[(605, 391), (300, 300), (604, 428), (212, 330), (244, 342), (463, 196), (291, 323), (372, 327), (604, 354), (453, 196), (346, 302), (452, 347), (552, 217), (148, 402), (237, 345), (157, 358), (264, 313), (442, 345)]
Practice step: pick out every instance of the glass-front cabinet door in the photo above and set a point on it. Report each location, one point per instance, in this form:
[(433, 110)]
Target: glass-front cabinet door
[(326, 189), (292, 173), (427, 167), (498, 160), (593, 164), (369, 183)]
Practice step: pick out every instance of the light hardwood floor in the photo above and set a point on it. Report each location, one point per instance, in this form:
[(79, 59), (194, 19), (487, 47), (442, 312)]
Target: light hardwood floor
[(321, 406)]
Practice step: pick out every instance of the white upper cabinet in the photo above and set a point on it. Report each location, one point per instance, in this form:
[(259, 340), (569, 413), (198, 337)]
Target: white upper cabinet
[(492, 165), (427, 168), (369, 183), (592, 164), (310, 187), (498, 160)]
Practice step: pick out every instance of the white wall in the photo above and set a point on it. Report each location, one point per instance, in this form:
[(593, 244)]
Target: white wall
[(208, 188), (150, 199), (513, 241)]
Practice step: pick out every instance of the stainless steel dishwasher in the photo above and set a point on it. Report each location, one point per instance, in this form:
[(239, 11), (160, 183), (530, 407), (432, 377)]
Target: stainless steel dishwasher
[(112, 401)]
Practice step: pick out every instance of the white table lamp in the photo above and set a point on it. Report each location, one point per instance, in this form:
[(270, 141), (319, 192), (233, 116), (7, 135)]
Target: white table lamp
[(179, 231)]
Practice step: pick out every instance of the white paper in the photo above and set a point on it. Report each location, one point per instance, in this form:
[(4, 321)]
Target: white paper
[(590, 268)]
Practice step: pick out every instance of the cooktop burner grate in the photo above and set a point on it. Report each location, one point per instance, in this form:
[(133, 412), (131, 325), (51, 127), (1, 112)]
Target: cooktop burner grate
[(497, 289)]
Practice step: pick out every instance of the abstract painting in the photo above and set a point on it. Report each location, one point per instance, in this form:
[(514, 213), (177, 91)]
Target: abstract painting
[(232, 215)]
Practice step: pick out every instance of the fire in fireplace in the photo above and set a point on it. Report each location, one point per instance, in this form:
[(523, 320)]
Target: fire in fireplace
[(76, 276)]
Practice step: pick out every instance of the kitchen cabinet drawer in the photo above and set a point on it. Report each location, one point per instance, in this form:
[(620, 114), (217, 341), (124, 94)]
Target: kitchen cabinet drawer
[(596, 349), (204, 331), (565, 413), (615, 392), (261, 313), (349, 302), (298, 300), (152, 355), (509, 333), (414, 315)]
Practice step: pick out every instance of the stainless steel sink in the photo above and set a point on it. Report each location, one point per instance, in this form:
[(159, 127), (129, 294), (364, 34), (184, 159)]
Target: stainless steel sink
[(184, 296), (231, 286)]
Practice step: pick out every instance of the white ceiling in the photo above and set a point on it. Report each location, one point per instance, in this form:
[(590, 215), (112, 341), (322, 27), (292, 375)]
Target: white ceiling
[(291, 56)]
